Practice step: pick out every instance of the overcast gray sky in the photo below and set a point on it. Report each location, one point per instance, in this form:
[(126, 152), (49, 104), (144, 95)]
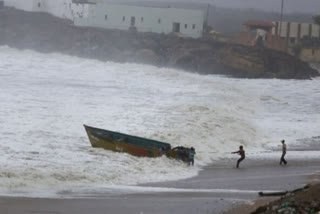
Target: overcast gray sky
[(302, 6)]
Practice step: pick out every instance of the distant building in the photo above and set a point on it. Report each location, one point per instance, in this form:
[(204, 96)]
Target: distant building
[(293, 32), (305, 35), (259, 33), (186, 22)]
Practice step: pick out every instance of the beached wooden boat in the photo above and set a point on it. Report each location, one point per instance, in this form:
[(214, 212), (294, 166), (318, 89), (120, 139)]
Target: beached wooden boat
[(133, 145)]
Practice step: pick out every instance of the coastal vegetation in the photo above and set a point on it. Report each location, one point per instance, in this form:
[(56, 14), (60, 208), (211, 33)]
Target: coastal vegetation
[(296, 49), (317, 19)]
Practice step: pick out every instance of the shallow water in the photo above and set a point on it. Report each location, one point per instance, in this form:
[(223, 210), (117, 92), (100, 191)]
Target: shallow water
[(46, 98)]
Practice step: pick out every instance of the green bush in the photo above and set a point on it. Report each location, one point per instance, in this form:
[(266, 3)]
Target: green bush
[(317, 19), (296, 49)]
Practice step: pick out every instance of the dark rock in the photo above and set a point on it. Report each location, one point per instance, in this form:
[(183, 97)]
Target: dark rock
[(261, 210), (146, 56)]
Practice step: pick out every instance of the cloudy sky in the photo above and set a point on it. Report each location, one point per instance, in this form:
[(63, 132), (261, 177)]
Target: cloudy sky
[(303, 6)]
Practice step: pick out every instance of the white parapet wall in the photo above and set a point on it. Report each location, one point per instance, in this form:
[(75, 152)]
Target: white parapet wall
[(65, 9), (59, 8), (26, 5)]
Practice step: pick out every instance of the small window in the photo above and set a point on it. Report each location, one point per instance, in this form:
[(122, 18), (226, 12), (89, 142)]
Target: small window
[(106, 17), (39, 4), (123, 18), (185, 26), (159, 21), (193, 26), (142, 19)]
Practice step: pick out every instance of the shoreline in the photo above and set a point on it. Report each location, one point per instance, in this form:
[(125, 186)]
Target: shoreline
[(218, 188)]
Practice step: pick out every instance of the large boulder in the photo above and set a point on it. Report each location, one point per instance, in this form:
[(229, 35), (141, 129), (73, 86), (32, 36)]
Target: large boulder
[(146, 56)]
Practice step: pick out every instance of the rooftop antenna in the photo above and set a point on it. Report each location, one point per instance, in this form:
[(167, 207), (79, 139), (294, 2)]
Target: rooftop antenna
[(281, 17)]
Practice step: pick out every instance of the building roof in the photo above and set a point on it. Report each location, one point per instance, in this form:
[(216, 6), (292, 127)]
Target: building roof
[(259, 24)]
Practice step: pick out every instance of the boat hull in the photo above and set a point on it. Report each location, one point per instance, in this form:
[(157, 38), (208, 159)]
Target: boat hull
[(119, 142), (133, 145)]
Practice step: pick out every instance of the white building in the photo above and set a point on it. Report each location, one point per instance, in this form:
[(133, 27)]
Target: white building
[(59, 8), (293, 31), (188, 23)]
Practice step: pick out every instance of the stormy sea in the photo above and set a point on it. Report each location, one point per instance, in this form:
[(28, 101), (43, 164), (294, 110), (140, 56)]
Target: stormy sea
[(46, 99)]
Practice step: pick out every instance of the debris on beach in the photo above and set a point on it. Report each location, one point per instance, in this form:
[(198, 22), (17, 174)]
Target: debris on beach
[(302, 201)]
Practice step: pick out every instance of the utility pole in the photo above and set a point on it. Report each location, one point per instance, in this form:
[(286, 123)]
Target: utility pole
[(281, 17), (207, 17)]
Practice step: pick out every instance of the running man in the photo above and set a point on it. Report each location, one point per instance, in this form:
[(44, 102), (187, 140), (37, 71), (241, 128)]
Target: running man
[(241, 152), (284, 151)]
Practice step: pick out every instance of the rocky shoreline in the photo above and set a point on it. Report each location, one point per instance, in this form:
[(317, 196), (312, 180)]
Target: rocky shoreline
[(301, 201), (45, 33), (304, 201)]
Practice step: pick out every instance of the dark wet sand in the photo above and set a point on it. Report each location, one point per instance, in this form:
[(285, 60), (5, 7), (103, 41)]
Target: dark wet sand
[(217, 180)]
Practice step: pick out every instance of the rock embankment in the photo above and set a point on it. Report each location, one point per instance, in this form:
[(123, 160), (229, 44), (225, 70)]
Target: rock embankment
[(44, 33)]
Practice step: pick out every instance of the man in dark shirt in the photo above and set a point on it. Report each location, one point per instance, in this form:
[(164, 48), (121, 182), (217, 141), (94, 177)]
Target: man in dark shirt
[(192, 152), (284, 151), (241, 152)]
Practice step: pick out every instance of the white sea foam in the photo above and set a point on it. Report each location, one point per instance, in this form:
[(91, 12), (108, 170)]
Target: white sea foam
[(45, 99)]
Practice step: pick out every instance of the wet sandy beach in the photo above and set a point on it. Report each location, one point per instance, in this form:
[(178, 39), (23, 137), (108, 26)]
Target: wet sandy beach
[(217, 189)]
